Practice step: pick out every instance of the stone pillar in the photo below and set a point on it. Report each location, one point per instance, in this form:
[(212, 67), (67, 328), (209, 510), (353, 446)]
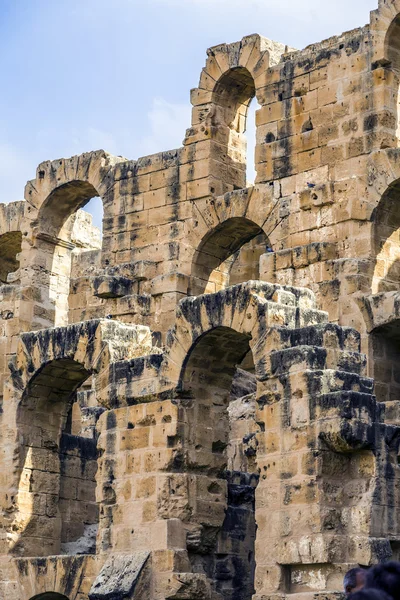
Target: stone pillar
[(319, 450), (144, 494)]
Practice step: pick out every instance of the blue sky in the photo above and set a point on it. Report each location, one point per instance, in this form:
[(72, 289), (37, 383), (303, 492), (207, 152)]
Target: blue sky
[(80, 75)]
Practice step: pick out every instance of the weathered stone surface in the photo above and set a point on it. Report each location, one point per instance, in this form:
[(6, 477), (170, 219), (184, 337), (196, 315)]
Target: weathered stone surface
[(204, 403), (119, 576)]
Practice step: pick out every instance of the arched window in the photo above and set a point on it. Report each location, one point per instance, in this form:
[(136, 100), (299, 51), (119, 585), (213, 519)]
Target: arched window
[(221, 446), (232, 96), (65, 233), (222, 119), (227, 255), (11, 217), (57, 510)]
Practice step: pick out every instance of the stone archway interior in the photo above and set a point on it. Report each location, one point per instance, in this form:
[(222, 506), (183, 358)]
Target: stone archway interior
[(232, 96), (56, 496), (229, 254), (62, 230), (221, 450)]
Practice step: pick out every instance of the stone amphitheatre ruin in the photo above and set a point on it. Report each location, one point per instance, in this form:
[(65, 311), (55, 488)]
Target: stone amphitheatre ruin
[(206, 404)]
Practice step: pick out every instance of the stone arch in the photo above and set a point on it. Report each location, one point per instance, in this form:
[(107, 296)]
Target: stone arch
[(10, 247), (381, 203), (211, 336), (49, 367), (383, 196), (385, 28), (51, 514), (383, 24), (57, 577), (61, 187), (392, 44), (379, 193), (233, 75), (47, 511), (219, 248), (251, 212), (249, 308), (384, 344), (50, 596), (232, 95), (218, 331), (219, 458)]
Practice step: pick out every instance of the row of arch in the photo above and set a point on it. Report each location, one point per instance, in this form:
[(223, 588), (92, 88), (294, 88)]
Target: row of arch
[(47, 393), (201, 361), (230, 80), (228, 253)]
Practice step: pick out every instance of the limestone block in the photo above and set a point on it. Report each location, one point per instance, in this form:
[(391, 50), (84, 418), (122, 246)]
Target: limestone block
[(119, 576), (112, 287)]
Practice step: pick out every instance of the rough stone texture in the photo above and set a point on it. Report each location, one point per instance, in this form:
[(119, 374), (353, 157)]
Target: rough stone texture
[(216, 385), (119, 576)]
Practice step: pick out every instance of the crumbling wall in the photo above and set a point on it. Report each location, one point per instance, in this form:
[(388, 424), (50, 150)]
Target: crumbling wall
[(179, 435)]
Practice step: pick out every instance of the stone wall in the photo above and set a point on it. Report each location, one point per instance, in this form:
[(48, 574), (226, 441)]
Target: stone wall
[(202, 401)]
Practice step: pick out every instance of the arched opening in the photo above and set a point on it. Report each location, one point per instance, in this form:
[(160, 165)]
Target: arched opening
[(50, 596), (56, 504), (385, 360), (219, 402), (66, 236), (232, 97), (386, 241), (384, 342), (10, 248), (392, 47), (228, 255)]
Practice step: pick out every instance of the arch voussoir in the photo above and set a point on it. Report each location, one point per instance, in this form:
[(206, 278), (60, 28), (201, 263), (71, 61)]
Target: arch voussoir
[(240, 308), (381, 22), (93, 344)]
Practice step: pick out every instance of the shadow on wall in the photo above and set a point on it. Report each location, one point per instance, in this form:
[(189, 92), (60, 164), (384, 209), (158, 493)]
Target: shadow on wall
[(385, 352), (50, 596), (228, 255), (392, 277), (10, 248), (55, 240), (56, 494), (386, 241), (222, 407)]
